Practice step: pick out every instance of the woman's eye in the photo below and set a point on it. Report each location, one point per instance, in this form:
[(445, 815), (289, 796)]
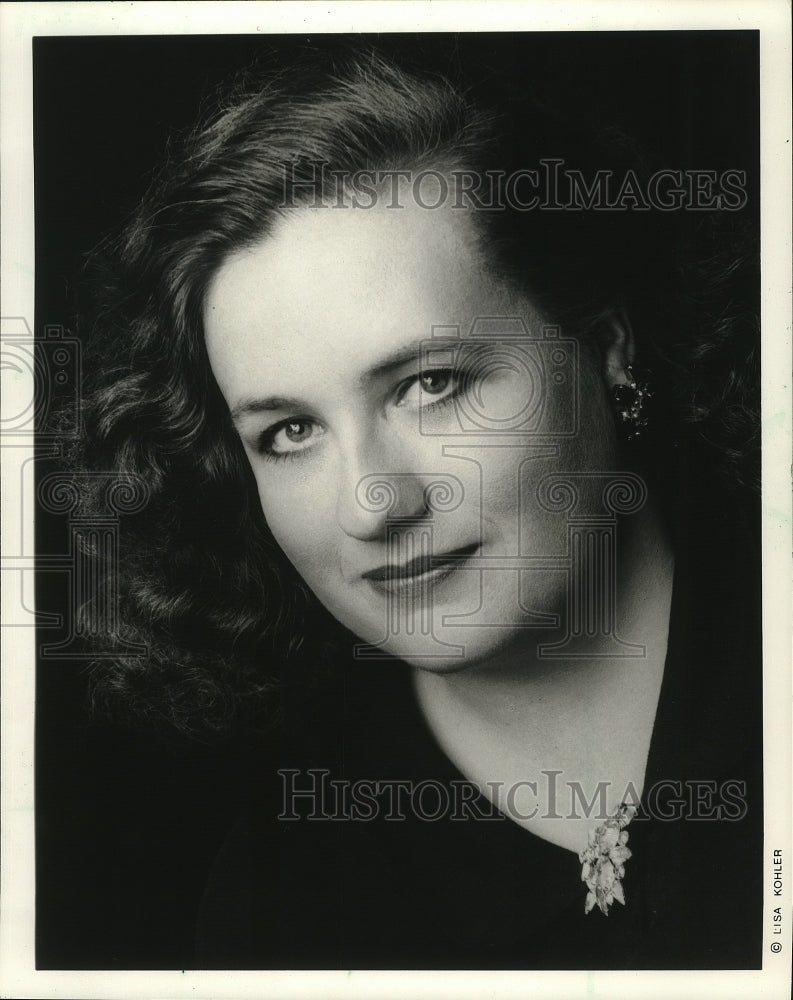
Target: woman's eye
[(291, 436), (435, 383), (439, 384)]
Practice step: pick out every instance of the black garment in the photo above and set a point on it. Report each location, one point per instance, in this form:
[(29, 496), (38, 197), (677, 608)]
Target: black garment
[(485, 893)]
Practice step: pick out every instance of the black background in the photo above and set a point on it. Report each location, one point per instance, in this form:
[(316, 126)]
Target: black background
[(127, 824)]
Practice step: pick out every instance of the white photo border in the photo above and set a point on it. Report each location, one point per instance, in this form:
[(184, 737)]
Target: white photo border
[(19, 24)]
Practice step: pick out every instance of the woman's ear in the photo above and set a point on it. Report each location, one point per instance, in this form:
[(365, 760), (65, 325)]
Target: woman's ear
[(617, 348)]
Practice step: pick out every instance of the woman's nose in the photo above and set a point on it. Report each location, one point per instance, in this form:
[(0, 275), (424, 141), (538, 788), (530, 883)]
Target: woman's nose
[(375, 485)]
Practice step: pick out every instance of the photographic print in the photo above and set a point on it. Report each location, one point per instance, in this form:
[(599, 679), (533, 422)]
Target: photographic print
[(395, 562)]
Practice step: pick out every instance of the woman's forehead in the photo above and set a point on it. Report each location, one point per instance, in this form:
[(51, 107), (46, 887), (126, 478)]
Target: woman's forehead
[(348, 286)]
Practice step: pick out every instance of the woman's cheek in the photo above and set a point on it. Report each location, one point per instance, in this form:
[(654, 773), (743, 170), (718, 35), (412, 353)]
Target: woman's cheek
[(297, 512)]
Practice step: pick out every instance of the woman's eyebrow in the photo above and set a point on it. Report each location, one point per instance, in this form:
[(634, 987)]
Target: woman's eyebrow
[(266, 404), (400, 357)]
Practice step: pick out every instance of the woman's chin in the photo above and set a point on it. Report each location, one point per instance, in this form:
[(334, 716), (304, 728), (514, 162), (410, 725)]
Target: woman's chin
[(448, 650)]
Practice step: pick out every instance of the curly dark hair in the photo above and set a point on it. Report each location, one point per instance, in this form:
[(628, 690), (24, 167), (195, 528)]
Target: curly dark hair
[(203, 584)]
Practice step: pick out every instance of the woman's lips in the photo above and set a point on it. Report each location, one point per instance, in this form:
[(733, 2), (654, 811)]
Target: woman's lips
[(420, 572)]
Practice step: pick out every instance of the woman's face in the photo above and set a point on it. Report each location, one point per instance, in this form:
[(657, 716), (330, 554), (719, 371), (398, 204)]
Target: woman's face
[(315, 338)]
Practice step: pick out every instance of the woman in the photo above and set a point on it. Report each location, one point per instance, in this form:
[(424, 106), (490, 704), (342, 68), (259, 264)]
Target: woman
[(384, 378)]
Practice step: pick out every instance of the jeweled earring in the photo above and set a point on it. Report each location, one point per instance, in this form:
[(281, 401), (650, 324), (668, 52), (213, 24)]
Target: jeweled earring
[(630, 404)]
